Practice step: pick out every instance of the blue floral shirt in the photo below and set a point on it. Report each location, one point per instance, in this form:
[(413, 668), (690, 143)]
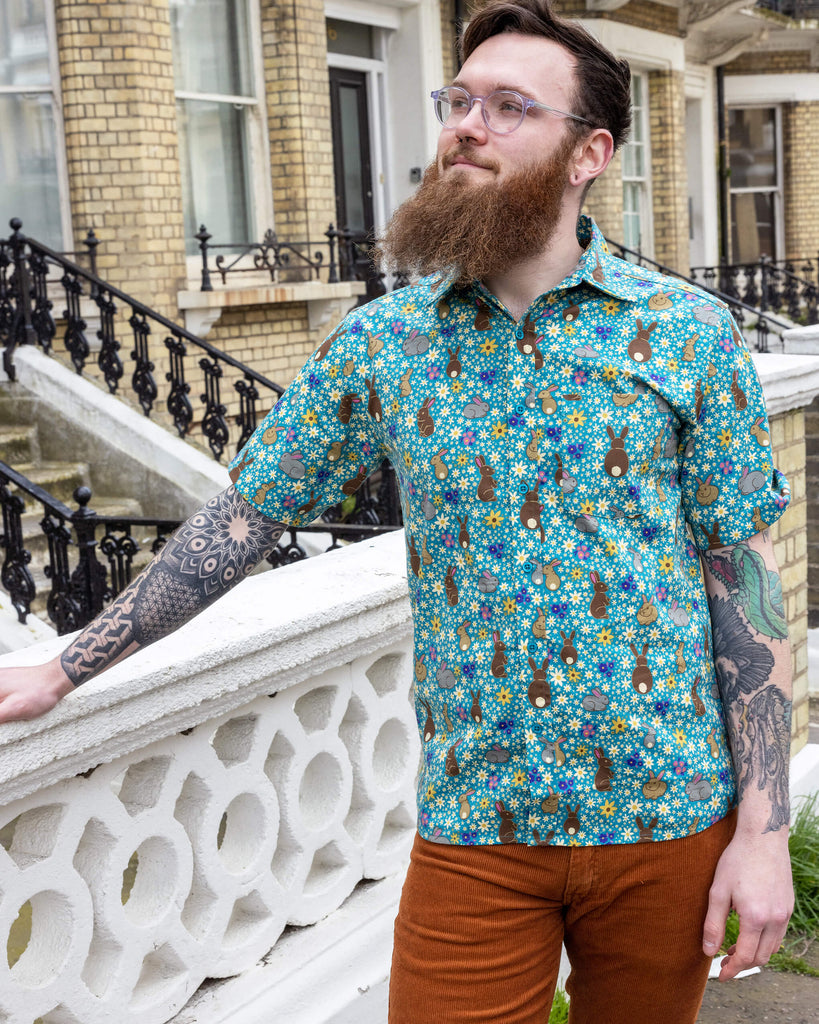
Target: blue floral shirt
[(559, 477)]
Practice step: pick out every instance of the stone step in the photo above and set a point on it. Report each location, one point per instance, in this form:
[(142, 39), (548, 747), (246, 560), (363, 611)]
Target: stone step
[(17, 409), (60, 479), (19, 444)]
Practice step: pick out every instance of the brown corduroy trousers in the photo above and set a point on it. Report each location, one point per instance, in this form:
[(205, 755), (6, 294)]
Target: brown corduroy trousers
[(479, 931)]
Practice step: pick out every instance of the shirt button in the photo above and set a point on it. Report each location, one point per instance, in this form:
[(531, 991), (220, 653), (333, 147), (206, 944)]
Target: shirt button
[(531, 647), (520, 409), (519, 333)]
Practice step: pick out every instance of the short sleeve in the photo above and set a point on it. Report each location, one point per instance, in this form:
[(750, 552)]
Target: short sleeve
[(319, 442), (730, 487)]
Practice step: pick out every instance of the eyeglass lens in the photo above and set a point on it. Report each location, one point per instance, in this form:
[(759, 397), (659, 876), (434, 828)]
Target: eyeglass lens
[(503, 111)]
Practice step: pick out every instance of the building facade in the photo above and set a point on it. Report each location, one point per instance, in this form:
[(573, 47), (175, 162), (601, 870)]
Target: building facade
[(147, 119)]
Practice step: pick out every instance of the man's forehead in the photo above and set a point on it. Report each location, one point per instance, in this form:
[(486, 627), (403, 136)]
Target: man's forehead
[(525, 63)]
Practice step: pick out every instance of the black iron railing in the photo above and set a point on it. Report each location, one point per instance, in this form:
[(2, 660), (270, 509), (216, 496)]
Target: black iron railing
[(796, 9), (281, 261), (749, 318), (29, 273), (91, 557), (787, 287), (355, 263)]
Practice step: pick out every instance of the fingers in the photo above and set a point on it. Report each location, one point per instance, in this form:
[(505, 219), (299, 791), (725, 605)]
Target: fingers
[(754, 947), (719, 904)]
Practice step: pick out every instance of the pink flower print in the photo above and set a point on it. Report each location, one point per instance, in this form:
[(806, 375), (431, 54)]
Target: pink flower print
[(289, 501), (680, 767), (433, 652), (580, 377), (468, 437), (448, 540), (582, 552), (486, 612), (433, 371), (726, 467), (492, 782), (398, 326), (290, 435), (588, 729)]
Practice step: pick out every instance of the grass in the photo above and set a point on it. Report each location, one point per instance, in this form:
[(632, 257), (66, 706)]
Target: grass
[(559, 1014)]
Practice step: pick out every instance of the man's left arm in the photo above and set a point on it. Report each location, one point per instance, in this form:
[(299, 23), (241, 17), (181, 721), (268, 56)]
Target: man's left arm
[(753, 667)]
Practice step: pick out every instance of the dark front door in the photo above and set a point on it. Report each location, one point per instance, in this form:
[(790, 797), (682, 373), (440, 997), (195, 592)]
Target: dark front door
[(353, 172)]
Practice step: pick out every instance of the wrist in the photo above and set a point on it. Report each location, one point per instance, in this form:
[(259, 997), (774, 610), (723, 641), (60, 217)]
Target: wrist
[(56, 679)]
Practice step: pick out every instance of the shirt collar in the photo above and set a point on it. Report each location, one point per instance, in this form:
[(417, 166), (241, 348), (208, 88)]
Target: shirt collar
[(596, 267)]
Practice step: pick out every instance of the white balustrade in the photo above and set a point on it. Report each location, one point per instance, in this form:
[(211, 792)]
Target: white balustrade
[(251, 770)]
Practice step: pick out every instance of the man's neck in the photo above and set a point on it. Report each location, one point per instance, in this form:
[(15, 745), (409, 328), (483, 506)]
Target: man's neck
[(519, 286)]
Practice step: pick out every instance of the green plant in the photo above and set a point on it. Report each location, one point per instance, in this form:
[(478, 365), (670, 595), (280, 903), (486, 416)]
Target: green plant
[(559, 1014)]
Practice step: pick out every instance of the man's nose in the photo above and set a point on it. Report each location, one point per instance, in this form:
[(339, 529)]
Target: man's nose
[(473, 125)]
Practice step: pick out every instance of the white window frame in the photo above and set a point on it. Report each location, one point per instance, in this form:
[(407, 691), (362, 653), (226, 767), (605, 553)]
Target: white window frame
[(643, 181), (54, 90), (377, 102), (778, 190), (258, 173)]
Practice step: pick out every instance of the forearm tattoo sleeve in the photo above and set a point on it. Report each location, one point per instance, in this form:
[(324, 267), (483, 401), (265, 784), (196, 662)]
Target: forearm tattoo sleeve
[(210, 553), (752, 660)]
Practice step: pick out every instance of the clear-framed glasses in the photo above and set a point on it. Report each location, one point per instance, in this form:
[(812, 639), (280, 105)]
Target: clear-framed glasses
[(503, 110)]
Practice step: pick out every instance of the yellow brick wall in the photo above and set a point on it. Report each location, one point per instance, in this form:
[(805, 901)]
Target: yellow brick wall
[(790, 543), (116, 72), (294, 44), (774, 62), (669, 178), (449, 47), (641, 13), (800, 138), (605, 200)]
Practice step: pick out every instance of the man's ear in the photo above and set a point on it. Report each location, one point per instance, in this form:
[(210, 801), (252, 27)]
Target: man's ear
[(592, 156)]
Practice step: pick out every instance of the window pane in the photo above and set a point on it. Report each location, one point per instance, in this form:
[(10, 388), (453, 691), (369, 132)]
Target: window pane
[(23, 43), (752, 147), (210, 47), (28, 167), (752, 226), (350, 38), (214, 160)]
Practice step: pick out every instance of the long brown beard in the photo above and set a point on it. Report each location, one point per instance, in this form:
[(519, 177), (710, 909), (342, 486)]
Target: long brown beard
[(476, 230)]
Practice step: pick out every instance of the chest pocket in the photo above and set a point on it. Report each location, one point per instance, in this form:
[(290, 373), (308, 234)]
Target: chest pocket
[(620, 466)]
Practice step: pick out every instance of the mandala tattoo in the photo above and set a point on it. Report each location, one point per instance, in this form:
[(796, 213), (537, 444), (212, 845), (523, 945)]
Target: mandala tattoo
[(758, 716), (216, 548)]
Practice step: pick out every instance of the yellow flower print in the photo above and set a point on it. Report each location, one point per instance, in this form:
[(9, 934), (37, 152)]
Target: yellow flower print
[(394, 405), (577, 574), (581, 750), (587, 507), (611, 307), (483, 633), (666, 563), (573, 675), (618, 725), (680, 737), (457, 386), (609, 372), (488, 346), (430, 792), (576, 418), (407, 460), (569, 329), (519, 778), (493, 519), (608, 808), (435, 624), (509, 606), (503, 696), (310, 418), (604, 636), (333, 372), (725, 438), (498, 429)]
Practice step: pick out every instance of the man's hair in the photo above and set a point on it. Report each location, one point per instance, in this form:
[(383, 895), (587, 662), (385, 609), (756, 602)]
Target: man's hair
[(603, 92)]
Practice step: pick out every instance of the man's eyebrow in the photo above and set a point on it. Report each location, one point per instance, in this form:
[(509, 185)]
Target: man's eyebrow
[(494, 88)]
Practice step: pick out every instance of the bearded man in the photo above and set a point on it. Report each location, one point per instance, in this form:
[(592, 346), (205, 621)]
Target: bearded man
[(608, 788)]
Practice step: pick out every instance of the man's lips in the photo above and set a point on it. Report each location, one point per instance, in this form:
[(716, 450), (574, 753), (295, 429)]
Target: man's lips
[(463, 160)]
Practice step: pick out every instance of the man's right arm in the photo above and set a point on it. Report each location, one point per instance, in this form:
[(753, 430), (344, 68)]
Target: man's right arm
[(208, 555)]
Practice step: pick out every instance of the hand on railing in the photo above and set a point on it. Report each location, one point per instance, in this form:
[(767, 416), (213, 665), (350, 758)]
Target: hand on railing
[(31, 691)]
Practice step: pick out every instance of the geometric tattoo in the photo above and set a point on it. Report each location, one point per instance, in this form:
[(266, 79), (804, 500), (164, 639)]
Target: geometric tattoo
[(209, 554)]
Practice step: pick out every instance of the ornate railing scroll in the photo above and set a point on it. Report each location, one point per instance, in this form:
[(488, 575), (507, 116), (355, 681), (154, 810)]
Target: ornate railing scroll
[(30, 272), (749, 318), (91, 558), (787, 287)]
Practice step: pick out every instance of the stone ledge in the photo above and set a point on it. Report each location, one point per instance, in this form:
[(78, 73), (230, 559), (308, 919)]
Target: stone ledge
[(790, 381), (270, 633), (203, 309)]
